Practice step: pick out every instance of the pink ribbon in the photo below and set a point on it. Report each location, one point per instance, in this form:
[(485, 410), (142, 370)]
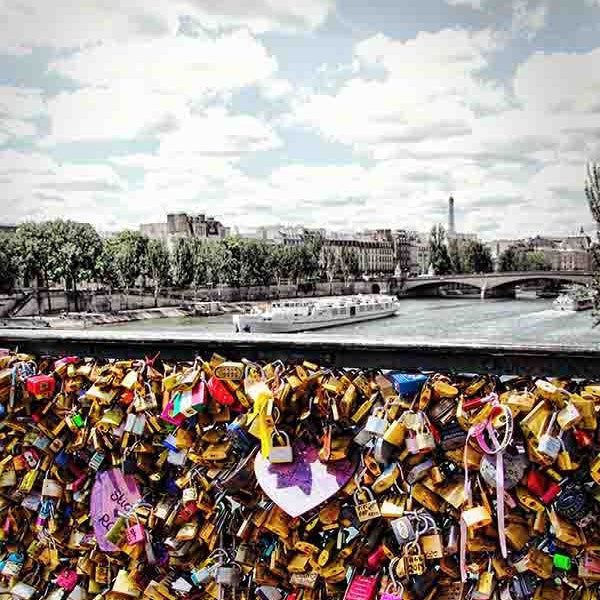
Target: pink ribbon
[(498, 448)]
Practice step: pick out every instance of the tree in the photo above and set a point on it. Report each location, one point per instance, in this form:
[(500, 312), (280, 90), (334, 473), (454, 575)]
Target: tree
[(477, 258), (128, 252), (182, 263), (536, 261), (592, 192), (278, 263), (74, 249), (349, 264), (508, 260), (455, 255), (438, 251), (9, 267), (158, 265), (329, 264)]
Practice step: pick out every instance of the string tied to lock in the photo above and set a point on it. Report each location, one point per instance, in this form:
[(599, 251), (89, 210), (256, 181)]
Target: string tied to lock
[(485, 433)]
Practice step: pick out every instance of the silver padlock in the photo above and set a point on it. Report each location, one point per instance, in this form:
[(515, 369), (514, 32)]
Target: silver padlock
[(411, 442), (202, 575), (424, 439), (281, 454), (377, 422), (363, 437), (382, 451), (228, 575), (403, 530), (550, 445)]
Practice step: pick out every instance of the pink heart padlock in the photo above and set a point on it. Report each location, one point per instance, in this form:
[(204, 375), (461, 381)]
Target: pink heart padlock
[(67, 579), (135, 534)]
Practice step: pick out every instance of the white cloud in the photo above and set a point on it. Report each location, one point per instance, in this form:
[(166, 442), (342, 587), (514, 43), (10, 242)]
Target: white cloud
[(432, 89), (17, 106), (124, 100), (81, 23), (263, 15), (37, 187), (184, 65), (529, 17), (474, 4)]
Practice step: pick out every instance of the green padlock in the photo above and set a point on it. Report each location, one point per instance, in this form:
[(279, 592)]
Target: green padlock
[(561, 561)]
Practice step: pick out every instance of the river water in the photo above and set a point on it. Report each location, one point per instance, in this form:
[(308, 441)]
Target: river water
[(522, 320)]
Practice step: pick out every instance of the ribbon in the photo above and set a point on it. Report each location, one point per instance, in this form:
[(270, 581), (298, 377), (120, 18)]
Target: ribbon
[(497, 449)]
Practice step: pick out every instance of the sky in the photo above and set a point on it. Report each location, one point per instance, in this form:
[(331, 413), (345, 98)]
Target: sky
[(342, 114)]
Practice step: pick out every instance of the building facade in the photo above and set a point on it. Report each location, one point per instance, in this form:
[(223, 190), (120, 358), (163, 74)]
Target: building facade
[(182, 225), (374, 257)]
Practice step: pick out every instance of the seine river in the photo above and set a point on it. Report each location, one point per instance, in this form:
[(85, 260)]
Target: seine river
[(523, 320)]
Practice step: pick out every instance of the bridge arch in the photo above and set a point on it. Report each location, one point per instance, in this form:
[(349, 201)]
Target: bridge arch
[(494, 281)]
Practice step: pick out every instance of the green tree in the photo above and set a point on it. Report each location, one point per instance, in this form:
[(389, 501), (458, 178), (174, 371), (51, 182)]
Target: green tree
[(74, 249), (536, 261), (455, 255), (254, 263), (128, 252), (509, 260), (330, 264), (349, 264), (31, 241), (158, 266), (278, 263), (478, 258), (440, 258), (592, 192), (9, 267), (182, 263)]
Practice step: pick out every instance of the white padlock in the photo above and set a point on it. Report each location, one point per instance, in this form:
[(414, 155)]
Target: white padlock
[(377, 423), (550, 445), (281, 454)]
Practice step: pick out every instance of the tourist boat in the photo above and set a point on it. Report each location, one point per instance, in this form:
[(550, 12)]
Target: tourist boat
[(302, 315), (574, 299)]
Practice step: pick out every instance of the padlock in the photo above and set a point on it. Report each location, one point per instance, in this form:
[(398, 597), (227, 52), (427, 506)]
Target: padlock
[(432, 544), (413, 558), (281, 454), (135, 533), (568, 416), (377, 422), (228, 575), (366, 511), (362, 587), (403, 530), (549, 445), (67, 579), (485, 585), (395, 433), (394, 590)]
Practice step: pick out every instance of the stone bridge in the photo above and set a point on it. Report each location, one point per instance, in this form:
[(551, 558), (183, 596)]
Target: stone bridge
[(492, 284)]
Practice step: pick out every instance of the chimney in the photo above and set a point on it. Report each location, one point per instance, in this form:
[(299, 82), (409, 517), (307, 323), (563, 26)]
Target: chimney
[(451, 227)]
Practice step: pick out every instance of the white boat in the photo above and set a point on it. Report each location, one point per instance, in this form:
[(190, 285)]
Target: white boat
[(574, 299), (302, 315)]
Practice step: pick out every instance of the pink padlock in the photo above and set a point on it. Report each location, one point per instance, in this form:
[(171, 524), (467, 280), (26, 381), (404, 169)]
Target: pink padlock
[(135, 534), (167, 415), (362, 587), (67, 579), (394, 589)]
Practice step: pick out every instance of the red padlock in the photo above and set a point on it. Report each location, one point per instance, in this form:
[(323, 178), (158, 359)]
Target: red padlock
[(41, 386), (219, 392), (583, 438), (537, 483), (377, 558), (550, 493)]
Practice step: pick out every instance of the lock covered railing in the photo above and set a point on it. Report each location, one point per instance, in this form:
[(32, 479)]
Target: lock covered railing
[(169, 466)]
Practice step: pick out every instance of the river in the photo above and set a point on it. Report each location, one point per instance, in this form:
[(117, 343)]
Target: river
[(522, 320)]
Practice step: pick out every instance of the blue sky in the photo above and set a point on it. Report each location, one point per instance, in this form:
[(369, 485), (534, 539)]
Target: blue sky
[(346, 114)]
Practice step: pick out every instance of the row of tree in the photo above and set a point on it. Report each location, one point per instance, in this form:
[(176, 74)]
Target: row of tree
[(71, 253), (450, 256)]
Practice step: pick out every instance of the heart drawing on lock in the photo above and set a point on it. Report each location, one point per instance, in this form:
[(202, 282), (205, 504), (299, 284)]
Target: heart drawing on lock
[(304, 484)]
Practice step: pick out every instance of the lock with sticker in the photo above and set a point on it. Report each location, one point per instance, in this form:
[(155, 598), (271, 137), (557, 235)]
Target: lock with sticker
[(549, 445)]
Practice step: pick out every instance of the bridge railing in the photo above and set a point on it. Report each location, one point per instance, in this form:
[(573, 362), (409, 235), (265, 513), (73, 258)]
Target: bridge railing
[(331, 350)]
